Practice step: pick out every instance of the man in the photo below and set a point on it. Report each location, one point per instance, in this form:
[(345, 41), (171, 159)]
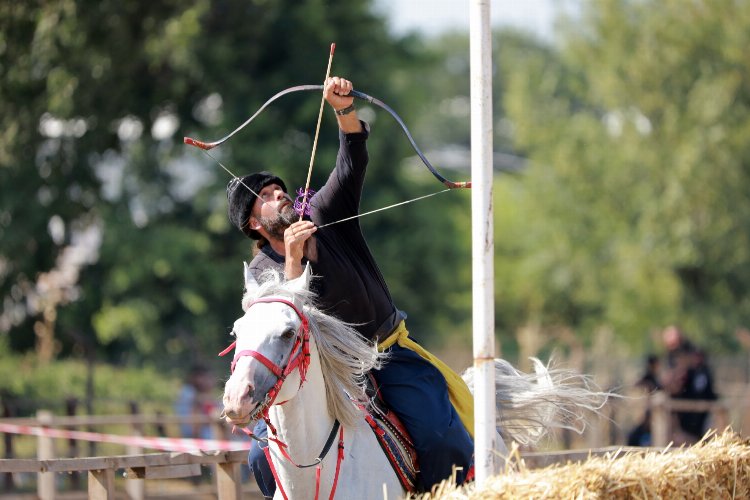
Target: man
[(349, 285), (677, 345), (698, 386)]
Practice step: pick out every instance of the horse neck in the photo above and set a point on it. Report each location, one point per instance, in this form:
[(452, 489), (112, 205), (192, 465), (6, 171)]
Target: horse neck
[(303, 422)]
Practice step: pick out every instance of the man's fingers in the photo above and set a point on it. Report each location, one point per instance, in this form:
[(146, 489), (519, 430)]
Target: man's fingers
[(300, 225), (340, 86), (300, 230), (304, 233), (344, 87)]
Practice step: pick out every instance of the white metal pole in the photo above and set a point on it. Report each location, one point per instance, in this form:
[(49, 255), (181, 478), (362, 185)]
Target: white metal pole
[(482, 240)]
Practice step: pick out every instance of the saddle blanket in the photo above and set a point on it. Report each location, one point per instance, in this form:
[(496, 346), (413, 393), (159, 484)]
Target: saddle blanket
[(393, 438)]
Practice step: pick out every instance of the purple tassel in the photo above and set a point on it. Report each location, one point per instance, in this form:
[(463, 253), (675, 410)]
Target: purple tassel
[(298, 201)]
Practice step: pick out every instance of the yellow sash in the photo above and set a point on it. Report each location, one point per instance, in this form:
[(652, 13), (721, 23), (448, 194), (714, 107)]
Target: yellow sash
[(458, 391)]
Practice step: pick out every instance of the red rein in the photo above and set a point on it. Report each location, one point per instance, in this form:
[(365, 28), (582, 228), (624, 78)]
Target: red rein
[(301, 362)]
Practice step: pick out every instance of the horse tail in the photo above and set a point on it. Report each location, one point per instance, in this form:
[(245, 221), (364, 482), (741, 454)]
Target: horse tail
[(529, 405)]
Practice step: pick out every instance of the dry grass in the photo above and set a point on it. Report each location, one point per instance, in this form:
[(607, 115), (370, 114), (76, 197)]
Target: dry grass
[(717, 467)]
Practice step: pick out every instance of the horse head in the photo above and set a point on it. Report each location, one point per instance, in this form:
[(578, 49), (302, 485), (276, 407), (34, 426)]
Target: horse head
[(271, 349)]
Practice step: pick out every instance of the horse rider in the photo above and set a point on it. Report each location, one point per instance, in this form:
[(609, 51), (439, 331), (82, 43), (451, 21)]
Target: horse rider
[(349, 285)]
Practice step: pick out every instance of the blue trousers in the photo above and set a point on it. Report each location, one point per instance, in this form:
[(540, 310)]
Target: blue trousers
[(258, 463), (418, 393)]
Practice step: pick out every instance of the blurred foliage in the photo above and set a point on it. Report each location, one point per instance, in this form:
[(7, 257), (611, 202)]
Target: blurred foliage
[(26, 386), (619, 205), (114, 234), (635, 212)]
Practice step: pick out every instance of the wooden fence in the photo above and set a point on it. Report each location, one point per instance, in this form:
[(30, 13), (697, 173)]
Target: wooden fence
[(722, 414), (621, 415), (137, 467), (134, 466)]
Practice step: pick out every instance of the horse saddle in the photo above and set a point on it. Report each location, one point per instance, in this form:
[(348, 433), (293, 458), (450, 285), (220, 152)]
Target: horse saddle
[(392, 436)]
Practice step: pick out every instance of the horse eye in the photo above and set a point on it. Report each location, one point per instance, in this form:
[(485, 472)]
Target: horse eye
[(288, 333)]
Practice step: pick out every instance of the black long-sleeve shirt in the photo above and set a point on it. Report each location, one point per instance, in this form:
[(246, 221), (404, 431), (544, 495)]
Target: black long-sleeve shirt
[(347, 280)]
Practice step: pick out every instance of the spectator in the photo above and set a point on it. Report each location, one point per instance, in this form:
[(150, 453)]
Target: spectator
[(698, 386), (640, 435), (649, 381), (197, 398), (688, 377), (679, 351), (676, 344)]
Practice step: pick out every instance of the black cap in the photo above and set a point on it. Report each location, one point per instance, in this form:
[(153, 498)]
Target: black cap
[(241, 199)]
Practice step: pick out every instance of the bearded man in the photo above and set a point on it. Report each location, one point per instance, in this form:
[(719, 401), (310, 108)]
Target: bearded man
[(349, 285)]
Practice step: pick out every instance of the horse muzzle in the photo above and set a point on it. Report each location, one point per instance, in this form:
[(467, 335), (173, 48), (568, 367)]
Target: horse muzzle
[(234, 419), (238, 401)]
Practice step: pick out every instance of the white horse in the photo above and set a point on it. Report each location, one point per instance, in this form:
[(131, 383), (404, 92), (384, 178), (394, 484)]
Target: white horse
[(302, 368)]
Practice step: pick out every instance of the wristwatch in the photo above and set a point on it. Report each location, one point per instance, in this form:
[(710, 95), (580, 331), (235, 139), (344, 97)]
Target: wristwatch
[(346, 110)]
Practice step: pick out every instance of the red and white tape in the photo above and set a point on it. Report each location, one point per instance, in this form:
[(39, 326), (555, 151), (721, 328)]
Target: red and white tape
[(156, 443)]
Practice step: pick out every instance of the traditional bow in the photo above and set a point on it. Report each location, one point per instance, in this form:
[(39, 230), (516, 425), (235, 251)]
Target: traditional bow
[(206, 146)]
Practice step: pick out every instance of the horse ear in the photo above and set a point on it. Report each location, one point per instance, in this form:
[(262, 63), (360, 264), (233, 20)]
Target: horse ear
[(250, 284), (302, 282)]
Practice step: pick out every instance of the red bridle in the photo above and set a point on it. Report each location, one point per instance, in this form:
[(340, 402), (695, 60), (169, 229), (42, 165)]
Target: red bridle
[(300, 361)]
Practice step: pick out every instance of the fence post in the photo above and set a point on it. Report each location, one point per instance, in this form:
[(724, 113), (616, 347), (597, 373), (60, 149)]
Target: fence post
[(614, 429), (71, 405), (45, 451), (228, 481), (136, 488), (720, 416), (102, 484), (159, 427), (8, 411), (595, 434), (660, 419)]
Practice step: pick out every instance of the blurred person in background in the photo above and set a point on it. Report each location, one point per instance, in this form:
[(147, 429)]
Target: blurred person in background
[(649, 383), (676, 344), (677, 359), (650, 380), (197, 398), (698, 386), (687, 376)]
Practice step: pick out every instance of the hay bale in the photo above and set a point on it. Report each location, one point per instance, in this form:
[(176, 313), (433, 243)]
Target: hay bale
[(716, 467)]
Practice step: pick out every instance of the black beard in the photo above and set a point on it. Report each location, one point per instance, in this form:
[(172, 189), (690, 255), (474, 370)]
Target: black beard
[(276, 225)]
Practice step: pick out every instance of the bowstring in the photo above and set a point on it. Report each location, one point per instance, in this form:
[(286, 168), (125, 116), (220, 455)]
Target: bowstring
[(385, 208), (340, 220), (231, 173)]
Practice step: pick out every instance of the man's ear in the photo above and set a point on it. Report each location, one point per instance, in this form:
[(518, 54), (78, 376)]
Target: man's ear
[(253, 223)]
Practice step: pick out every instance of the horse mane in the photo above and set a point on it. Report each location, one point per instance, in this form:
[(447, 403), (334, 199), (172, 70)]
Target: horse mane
[(345, 356)]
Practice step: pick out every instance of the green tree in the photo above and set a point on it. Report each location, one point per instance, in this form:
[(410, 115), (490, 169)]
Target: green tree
[(633, 213), (115, 240), (79, 87)]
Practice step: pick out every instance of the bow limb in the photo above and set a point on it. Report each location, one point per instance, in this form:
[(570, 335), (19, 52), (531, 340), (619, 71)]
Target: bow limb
[(355, 93), (210, 145), (433, 170)]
